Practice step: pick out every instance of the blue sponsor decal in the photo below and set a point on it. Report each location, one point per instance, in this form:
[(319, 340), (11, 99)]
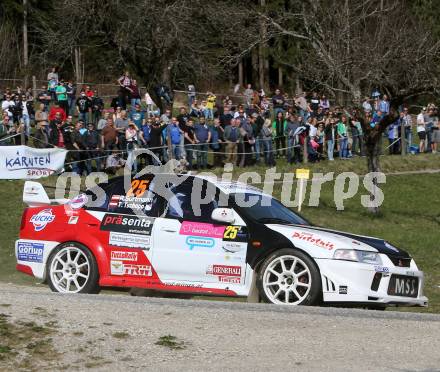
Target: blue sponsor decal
[(199, 241), (31, 252), (381, 269)]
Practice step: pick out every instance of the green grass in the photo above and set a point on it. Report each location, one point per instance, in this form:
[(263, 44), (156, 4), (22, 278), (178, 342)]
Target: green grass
[(409, 218), (170, 342)]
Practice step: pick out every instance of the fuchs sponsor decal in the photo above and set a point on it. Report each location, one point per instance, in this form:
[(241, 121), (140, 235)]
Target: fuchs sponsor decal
[(127, 224), (124, 256), (131, 202), (235, 233), (202, 229), (121, 268), (31, 252), (129, 240), (343, 289), (42, 218), (311, 238), (78, 201)]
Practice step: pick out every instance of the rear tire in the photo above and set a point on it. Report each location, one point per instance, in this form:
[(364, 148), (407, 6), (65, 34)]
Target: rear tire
[(72, 268), (289, 277)]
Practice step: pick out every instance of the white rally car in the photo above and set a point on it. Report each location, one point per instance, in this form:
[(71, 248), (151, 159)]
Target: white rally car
[(231, 240)]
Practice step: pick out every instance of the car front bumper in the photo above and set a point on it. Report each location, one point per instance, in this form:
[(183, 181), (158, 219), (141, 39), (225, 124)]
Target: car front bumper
[(358, 283)]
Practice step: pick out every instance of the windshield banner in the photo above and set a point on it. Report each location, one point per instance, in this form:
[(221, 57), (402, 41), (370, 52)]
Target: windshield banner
[(23, 162)]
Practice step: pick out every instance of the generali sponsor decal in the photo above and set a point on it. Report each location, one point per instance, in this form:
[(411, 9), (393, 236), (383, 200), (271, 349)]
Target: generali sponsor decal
[(124, 256), (224, 270), (313, 239)]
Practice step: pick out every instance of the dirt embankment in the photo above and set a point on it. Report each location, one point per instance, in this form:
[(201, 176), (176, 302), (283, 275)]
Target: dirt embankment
[(39, 329)]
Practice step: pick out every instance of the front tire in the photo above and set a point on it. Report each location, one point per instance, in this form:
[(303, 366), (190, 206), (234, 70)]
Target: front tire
[(289, 277), (72, 268)]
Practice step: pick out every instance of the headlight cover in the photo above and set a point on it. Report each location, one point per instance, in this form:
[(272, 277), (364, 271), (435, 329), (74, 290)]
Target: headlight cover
[(357, 256)]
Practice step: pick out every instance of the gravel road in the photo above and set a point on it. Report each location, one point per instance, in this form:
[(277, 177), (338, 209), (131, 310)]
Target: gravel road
[(118, 332)]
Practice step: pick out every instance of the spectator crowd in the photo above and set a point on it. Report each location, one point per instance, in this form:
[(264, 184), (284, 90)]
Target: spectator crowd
[(246, 128)]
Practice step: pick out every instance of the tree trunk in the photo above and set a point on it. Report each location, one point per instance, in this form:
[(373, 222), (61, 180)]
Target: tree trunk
[(25, 44), (240, 73), (373, 150), (262, 62), (154, 96), (254, 59), (280, 77)]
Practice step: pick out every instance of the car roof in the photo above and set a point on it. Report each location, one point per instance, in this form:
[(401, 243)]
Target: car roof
[(227, 187)]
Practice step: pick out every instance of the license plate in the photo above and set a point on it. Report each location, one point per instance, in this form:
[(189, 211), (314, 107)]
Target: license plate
[(405, 286)]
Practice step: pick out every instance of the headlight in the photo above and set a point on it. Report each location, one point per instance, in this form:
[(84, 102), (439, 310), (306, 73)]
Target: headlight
[(357, 256)]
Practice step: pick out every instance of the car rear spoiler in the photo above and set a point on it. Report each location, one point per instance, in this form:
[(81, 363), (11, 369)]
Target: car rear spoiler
[(34, 195)]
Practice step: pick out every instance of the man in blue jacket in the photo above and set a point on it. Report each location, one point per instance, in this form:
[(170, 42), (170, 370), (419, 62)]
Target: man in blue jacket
[(175, 135), (203, 137)]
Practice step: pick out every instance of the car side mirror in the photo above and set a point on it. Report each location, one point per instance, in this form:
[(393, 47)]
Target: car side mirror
[(225, 215)]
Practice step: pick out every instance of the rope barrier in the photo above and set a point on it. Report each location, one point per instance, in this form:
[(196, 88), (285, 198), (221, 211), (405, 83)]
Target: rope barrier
[(12, 136)]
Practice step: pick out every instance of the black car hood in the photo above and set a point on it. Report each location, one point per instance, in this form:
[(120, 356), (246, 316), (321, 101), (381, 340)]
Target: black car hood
[(381, 245)]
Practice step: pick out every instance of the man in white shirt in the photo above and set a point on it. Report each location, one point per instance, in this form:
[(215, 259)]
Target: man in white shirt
[(248, 94), (7, 104), (407, 123), (366, 105), (421, 130)]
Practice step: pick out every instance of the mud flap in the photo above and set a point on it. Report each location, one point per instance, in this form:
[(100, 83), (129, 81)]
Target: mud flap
[(254, 293)]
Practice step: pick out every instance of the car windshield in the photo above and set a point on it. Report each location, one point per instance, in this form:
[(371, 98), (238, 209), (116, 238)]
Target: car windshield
[(265, 209)]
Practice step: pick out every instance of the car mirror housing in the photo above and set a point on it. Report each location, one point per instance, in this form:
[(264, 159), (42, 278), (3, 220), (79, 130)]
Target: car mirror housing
[(225, 215)]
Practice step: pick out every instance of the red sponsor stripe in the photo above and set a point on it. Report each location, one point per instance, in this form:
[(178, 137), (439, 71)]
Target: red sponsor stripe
[(141, 283), (24, 269)]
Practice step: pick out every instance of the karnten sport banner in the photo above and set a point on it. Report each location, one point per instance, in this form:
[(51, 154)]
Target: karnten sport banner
[(23, 162)]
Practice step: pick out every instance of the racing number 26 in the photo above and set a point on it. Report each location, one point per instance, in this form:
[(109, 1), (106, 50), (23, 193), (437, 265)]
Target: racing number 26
[(138, 188), (231, 232)]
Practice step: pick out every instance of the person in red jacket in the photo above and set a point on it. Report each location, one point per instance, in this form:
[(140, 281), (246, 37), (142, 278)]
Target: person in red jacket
[(53, 111)]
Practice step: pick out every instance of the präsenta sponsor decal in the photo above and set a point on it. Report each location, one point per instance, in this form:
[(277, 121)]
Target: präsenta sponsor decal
[(130, 224)]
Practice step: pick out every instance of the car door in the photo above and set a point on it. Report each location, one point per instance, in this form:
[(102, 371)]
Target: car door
[(191, 247), (126, 220)]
